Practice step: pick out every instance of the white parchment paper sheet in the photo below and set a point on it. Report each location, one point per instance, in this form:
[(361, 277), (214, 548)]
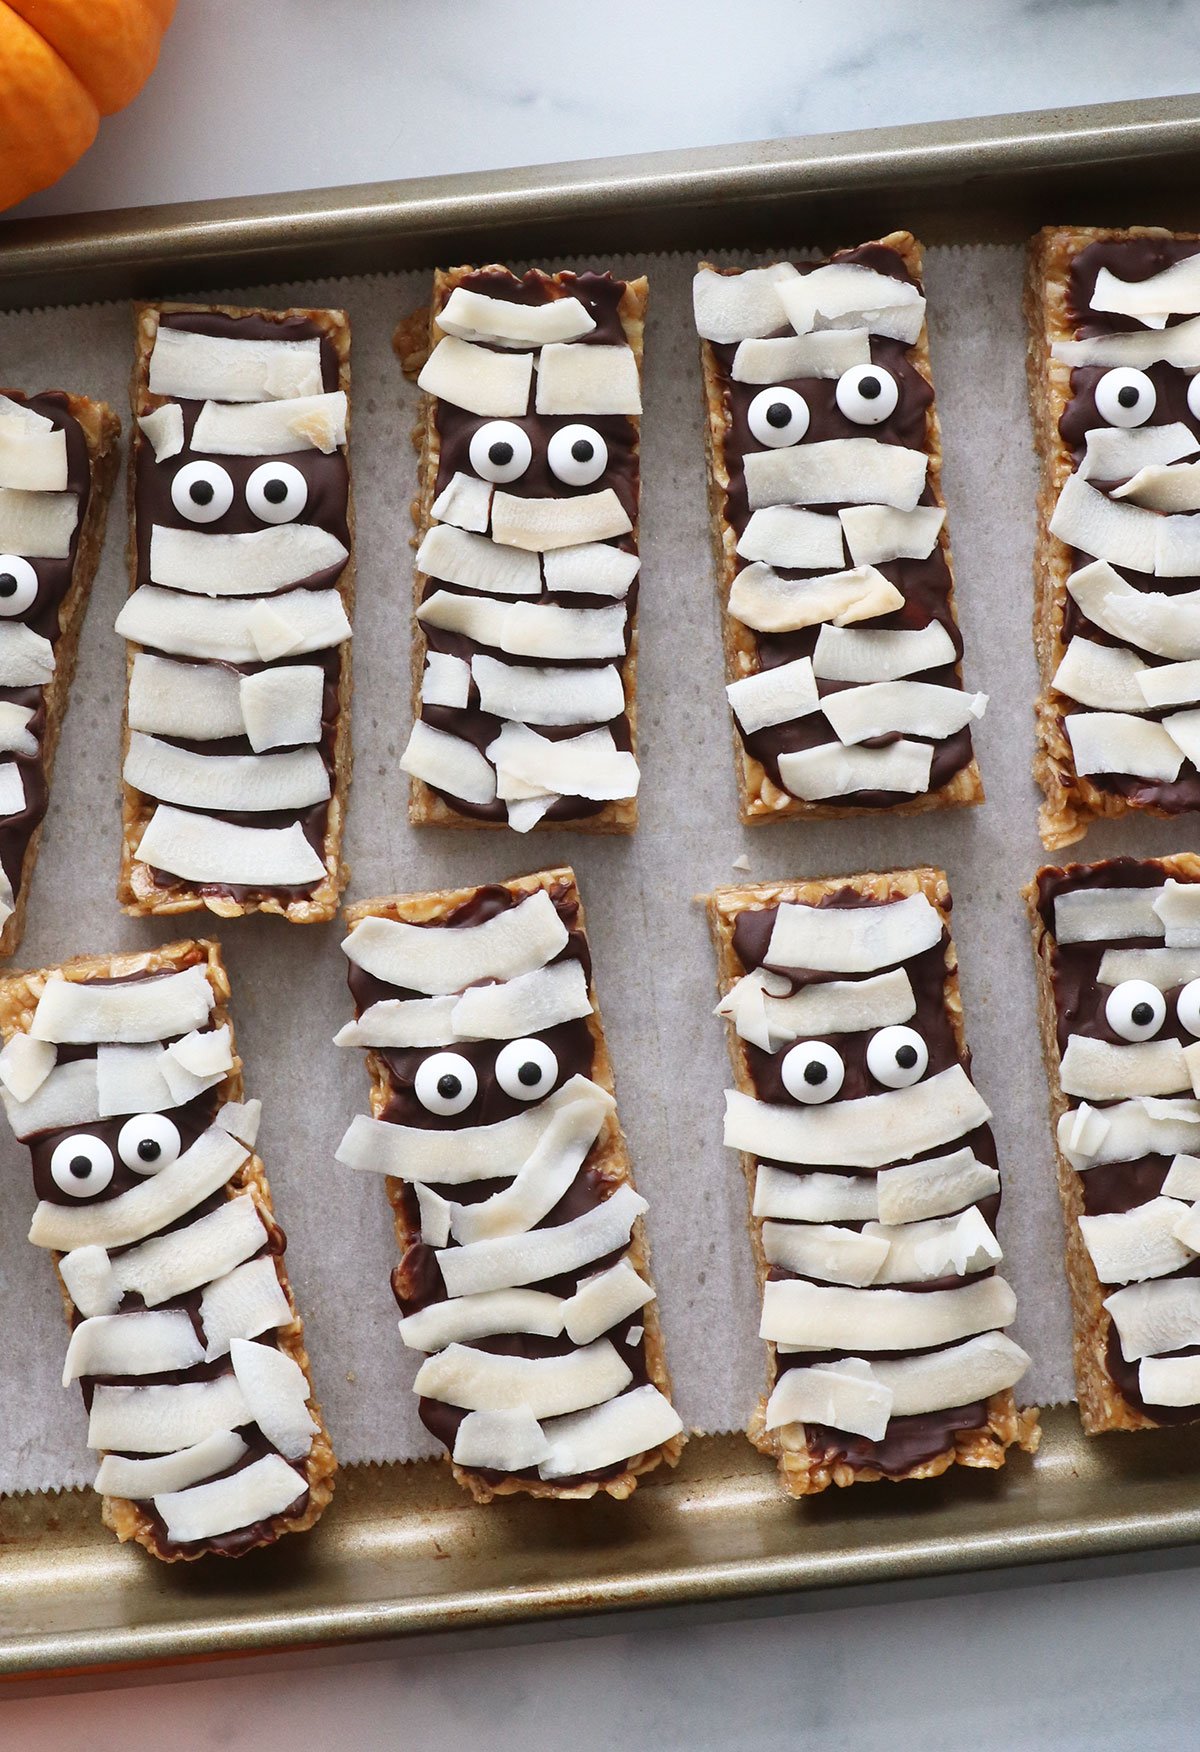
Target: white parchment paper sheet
[(654, 966)]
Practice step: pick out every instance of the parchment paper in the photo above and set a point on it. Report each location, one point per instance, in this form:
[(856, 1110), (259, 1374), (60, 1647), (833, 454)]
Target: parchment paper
[(654, 965)]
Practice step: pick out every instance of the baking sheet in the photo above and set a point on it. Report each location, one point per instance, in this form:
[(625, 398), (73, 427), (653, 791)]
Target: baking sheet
[(654, 968)]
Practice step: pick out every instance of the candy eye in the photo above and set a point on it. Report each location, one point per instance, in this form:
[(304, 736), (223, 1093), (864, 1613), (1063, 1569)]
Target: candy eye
[(867, 394), (1136, 1010), (148, 1142), (202, 492), (897, 1057), (1193, 397), (577, 455), (446, 1083), (81, 1166), (1187, 1008), (812, 1071), (276, 492), (526, 1069), (18, 584), (500, 452), (778, 417), (1125, 397)]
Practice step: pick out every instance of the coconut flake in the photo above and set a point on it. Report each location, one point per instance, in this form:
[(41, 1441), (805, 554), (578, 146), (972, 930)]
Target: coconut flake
[(140, 1480), (1177, 904), (1178, 346), (631, 1424), (845, 1396), (243, 1303), (1093, 915), (1145, 1126), (603, 1301), (436, 959), (259, 1491), (837, 471), (1169, 1380), (919, 708), (544, 1178), (917, 1191), (786, 536), (863, 655), (465, 502), (814, 1198), (774, 696), (505, 1261), (195, 367), (879, 533), (38, 525), (1184, 730), (152, 1342), (202, 848), (195, 561), (923, 1252), (13, 409), (25, 1063), (197, 700), (529, 695), (495, 385), (402, 1022), (868, 1131), (1173, 291), (446, 681), (477, 618), (66, 1097), (503, 1441), (247, 783), (1116, 452), (12, 793), (527, 1004), (968, 1372), (541, 524), (1163, 487), (1129, 1246), (26, 658), (534, 629), (761, 599), (1177, 547), (130, 1079), (273, 428), (163, 428), (448, 763), (73, 1012), (1103, 676), (833, 771), (457, 557), (589, 766), (814, 1317), (160, 1419), (823, 1251), (192, 626), (847, 295), (32, 460), (741, 306), (1169, 626), (282, 707), (276, 1391), (770, 1020), (1086, 519), (170, 1265), (1162, 1315), (587, 379), (90, 1280), (1165, 684), (474, 316), (1098, 1070), (544, 1386), (787, 357), (590, 569), (1163, 968), (852, 939), (469, 1317), (1117, 742), (204, 1053)]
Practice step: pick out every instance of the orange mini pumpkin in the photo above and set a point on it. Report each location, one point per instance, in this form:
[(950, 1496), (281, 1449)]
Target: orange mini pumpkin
[(63, 65)]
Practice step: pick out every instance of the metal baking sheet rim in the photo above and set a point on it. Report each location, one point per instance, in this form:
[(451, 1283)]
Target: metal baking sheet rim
[(402, 1552)]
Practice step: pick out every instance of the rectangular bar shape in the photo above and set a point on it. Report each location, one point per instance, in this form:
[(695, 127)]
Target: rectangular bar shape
[(1117, 947), (1112, 357), (121, 1074), (828, 525), (873, 1182), (524, 1269), (525, 592), (237, 730)]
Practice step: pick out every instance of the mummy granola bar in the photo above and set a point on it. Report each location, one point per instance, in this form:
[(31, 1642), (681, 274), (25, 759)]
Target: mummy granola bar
[(526, 575), (121, 1075), (1118, 959), (58, 459), (237, 747), (842, 651), (524, 1270), (1114, 352), (872, 1172)]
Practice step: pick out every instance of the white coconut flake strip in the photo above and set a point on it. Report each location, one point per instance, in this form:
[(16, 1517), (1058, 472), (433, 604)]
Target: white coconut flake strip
[(542, 524), (510, 1260), (1184, 730), (852, 939), (939, 1247), (845, 1395), (457, 557), (276, 1391), (1131, 1246), (265, 1488), (876, 534), (1169, 626), (25, 1064), (1093, 915), (163, 428), (140, 1480), (940, 1185), (738, 307), (241, 565), (72, 1012), (1129, 1129), (273, 428), (786, 357), (196, 700), (1178, 346), (1163, 487), (837, 471), (524, 694), (1105, 676), (470, 1317), (26, 658), (37, 525), (170, 1265), (466, 502), (67, 1096), (1178, 906), (786, 536), (774, 696), (544, 1386), (527, 1004), (1163, 968), (242, 782), (243, 1303), (834, 771), (823, 1251), (90, 1280), (1122, 534), (1114, 453), (11, 409), (401, 1022), (196, 367), (12, 790), (15, 734), (141, 1343), (587, 379), (761, 599), (622, 1428), (1098, 1070), (436, 959), (202, 848), (968, 1372), (193, 626), (502, 1441), (476, 378), (589, 766), (847, 295), (32, 460), (1166, 684), (592, 568), (1174, 291), (863, 655), (448, 763), (919, 708), (151, 1205), (544, 1178), (814, 1198), (446, 681), (1117, 742), (536, 629), (205, 1053), (803, 1316), (603, 1301), (282, 707), (129, 1079), (869, 1131), (478, 618), (1169, 1380), (160, 1419), (1162, 1315), (474, 316), (835, 1007)]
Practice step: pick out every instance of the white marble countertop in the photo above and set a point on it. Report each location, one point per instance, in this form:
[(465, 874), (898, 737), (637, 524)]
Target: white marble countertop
[(302, 93)]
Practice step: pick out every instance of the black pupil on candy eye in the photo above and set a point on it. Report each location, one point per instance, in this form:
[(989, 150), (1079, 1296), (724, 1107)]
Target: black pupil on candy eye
[(906, 1057), (275, 492), (449, 1086), (815, 1072), (529, 1074), (581, 450), (778, 414), (8, 584), (869, 387), (1129, 396), (501, 453), (201, 492), (1142, 1014), (149, 1150), (80, 1167)]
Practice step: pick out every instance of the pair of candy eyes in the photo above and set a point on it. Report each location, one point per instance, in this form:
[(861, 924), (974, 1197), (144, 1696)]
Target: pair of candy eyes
[(814, 1071), (82, 1165), (501, 452), (1136, 1010), (1125, 397), (447, 1083), (866, 394), (276, 492)]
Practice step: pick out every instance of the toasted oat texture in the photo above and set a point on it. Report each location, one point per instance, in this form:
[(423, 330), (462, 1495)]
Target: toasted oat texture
[(803, 1473), (1072, 801), (138, 893), (1102, 1406), (759, 798), (414, 339), (609, 1160), (19, 994), (101, 428)]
